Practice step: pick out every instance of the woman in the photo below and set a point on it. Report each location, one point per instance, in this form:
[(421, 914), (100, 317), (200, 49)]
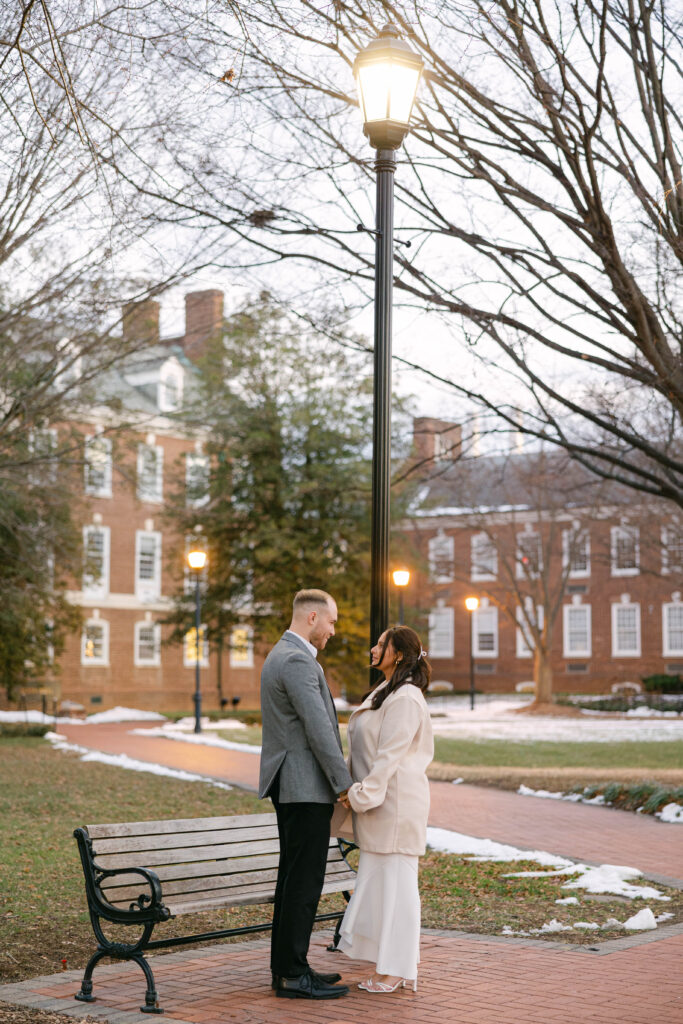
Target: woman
[(390, 744)]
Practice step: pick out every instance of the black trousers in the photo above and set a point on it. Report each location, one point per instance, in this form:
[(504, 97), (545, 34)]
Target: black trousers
[(304, 830)]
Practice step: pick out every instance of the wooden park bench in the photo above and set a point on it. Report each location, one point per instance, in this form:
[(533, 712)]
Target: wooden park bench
[(144, 873)]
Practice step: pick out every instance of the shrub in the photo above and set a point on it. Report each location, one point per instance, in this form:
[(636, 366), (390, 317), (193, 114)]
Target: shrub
[(661, 683), (23, 729)]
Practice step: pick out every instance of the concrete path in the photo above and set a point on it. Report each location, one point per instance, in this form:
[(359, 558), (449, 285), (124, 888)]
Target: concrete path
[(464, 979)]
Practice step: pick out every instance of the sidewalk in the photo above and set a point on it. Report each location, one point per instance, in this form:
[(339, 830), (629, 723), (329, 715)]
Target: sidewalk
[(464, 979)]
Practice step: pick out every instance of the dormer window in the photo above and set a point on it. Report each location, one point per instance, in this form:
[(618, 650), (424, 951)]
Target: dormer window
[(170, 386)]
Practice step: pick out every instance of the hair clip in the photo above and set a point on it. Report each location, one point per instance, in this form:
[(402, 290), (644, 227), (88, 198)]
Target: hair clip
[(423, 654)]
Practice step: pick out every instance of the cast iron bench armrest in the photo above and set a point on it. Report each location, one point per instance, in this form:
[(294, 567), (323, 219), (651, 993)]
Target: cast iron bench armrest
[(145, 908)]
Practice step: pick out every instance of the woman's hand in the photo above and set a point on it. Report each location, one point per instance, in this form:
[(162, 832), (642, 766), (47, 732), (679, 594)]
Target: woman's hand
[(343, 799)]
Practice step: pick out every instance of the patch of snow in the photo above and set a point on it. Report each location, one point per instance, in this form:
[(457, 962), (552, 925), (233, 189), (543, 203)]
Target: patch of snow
[(663, 917), (552, 926), (456, 782), (445, 841), (36, 718), (507, 930), (568, 901), (494, 719), (546, 794), (201, 739), (642, 711), (671, 813), (187, 724), (610, 923), (643, 921), (119, 714), (129, 763), (613, 879), (587, 926)]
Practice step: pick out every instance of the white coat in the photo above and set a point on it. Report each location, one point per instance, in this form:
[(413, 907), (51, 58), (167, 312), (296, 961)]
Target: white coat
[(389, 751)]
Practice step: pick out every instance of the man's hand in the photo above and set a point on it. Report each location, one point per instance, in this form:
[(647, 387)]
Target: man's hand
[(343, 799)]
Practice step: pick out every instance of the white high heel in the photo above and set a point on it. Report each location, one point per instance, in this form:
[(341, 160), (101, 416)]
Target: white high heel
[(412, 982)]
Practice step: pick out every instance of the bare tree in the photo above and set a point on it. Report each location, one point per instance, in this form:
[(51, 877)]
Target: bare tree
[(541, 188)]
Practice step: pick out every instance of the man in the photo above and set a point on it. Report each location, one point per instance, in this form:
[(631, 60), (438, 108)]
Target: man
[(302, 771)]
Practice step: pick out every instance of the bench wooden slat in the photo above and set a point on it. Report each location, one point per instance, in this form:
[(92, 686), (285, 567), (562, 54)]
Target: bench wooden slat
[(143, 828), (246, 895), (184, 840), (154, 857)]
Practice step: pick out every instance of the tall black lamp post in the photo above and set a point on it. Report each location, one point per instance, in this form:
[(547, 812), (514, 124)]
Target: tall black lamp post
[(387, 73), (471, 603), (196, 559), (401, 579)]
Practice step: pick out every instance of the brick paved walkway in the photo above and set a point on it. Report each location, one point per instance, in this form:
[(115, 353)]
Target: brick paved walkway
[(463, 980)]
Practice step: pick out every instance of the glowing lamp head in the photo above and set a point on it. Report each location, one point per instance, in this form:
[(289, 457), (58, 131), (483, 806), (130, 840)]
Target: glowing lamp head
[(196, 559), (471, 603), (401, 577), (387, 74)]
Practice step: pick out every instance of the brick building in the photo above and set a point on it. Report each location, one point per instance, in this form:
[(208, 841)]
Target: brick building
[(534, 531), (132, 560)]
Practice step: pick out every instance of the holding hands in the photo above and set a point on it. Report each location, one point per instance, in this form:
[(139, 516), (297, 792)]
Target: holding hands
[(343, 799)]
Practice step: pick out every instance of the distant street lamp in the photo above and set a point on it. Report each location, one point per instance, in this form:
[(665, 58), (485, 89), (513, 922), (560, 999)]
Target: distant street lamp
[(401, 579), (387, 73), (471, 603), (196, 559)]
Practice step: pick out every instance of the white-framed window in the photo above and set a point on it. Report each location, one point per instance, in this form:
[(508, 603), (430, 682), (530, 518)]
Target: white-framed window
[(483, 557), (524, 637), (43, 446), (147, 644), (576, 553), (625, 629), (95, 642), (98, 466), (196, 479), (672, 627), (672, 549), (241, 647), (441, 557), (441, 632), (190, 648), (624, 551), (485, 631), (576, 630), (529, 555), (96, 560), (150, 472), (147, 565)]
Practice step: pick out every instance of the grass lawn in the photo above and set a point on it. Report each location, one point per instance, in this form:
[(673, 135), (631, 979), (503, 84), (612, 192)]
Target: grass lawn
[(43, 916), (549, 754)]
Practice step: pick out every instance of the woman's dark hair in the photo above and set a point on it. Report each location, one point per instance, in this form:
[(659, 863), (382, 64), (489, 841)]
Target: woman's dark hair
[(412, 666)]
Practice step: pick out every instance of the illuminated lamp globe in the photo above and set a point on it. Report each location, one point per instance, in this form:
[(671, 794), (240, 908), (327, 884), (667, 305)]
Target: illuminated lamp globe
[(387, 74)]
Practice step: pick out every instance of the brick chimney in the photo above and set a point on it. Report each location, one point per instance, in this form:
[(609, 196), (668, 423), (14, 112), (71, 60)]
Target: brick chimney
[(141, 321), (437, 440), (203, 320)]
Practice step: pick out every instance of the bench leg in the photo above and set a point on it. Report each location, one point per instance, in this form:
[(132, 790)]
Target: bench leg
[(151, 997), (85, 995), (334, 945)]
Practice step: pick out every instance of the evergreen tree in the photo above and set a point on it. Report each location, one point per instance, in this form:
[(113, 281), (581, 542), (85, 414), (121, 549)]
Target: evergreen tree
[(290, 421)]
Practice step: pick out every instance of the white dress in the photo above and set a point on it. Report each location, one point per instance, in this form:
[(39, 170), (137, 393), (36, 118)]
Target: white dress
[(382, 920)]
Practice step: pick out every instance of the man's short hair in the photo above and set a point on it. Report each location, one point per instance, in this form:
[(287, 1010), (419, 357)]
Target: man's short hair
[(304, 597)]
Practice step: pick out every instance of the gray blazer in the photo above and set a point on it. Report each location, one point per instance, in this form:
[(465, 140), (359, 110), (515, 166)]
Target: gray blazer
[(300, 730)]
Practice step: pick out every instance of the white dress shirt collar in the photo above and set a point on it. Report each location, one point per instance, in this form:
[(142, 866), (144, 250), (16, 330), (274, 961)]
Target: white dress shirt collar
[(309, 645)]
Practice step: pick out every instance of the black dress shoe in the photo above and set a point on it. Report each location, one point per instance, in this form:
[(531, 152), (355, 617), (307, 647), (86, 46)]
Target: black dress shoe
[(328, 979), (308, 986)]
